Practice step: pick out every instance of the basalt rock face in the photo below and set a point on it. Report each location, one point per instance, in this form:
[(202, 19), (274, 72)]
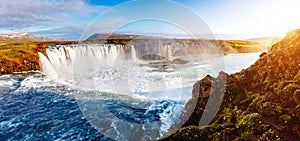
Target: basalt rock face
[(178, 47), (160, 45), (259, 103), (208, 91), (152, 57)]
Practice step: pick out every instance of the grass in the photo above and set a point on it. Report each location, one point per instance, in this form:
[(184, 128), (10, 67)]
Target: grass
[(242, 43), (242, 46), (23, 55)]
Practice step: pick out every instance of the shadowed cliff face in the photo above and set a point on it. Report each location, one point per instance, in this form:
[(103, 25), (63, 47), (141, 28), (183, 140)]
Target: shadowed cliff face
[(260, 103), (179, 47)]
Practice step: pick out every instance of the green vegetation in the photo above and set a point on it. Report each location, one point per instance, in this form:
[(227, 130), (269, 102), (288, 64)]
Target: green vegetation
[(229, 124), (260, 103), (242, 43), (14, 40), (242, 46), (22, 55)]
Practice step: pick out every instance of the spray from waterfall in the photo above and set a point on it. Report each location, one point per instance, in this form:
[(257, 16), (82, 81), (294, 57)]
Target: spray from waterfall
[(133, 53), (61, 59), (169, 52), (47, 67), (116, 68)]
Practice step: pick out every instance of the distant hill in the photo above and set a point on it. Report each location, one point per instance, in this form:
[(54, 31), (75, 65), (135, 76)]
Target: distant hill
[(242, 46), (262, 39), (20, 37), (98, 36)]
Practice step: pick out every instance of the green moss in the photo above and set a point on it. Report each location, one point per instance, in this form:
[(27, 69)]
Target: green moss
[(270, 135), (257, 102), (227, 117), (246, 136), (270, 109), (286, 92), (242, 43), (263, 106), (234, 123), (239, 94), (190, 133), (249, 121), (250, 96)]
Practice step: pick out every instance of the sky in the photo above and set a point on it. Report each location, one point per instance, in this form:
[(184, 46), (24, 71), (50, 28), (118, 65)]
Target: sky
[(68, 19)]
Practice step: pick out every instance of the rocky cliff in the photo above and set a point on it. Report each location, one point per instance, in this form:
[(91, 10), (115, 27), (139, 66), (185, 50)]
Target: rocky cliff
[(259, 103), (180, 45)]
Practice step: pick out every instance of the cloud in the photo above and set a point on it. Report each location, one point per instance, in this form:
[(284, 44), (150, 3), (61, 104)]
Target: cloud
[(79, 31), (43, 15), (68, 32), (104, 25)]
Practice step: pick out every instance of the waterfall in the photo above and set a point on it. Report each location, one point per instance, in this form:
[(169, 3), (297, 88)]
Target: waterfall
[(115, 68), (169, 52), (63, 59), (133, 53), (47, 67)]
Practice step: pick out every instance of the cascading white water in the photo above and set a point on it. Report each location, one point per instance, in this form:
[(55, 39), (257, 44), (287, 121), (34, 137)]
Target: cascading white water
[(133, 52), (62, 58), (169, 52), (107, 68), (47, 68)]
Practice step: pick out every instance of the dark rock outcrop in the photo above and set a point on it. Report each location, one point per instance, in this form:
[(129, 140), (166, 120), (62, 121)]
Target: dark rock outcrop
[(152, 57)]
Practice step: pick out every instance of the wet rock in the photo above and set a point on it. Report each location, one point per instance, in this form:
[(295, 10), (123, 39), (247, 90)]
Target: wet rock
[(152, 57), (203, 88), (179, 61)]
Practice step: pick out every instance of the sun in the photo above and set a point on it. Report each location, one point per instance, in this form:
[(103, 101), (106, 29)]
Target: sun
[(279, 17)]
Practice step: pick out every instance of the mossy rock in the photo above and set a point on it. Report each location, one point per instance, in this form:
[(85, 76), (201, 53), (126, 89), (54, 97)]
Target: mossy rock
[(270, 135), (190, 133)]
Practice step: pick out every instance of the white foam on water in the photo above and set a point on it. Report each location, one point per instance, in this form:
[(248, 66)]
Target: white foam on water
[(105, 68)]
